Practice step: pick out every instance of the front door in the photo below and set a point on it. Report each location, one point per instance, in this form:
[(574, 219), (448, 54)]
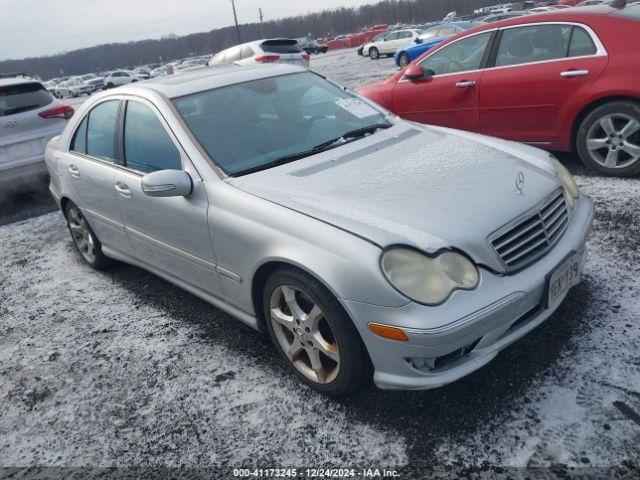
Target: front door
[(541, 72), (448, 94), (169, 234)]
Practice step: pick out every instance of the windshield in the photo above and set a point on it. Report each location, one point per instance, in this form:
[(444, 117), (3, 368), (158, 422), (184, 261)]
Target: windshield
[(427, 34), (250, 126)]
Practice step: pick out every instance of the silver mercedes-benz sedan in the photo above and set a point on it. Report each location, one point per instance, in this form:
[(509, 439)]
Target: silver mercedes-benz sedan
[(363, 244)]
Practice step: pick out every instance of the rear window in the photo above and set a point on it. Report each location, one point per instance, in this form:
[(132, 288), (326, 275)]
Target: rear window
[(23, 97), (630, 11), (281, 46)]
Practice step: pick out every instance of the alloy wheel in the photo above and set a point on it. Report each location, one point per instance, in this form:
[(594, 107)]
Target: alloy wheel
[(614, 141), (304, 334), (82, 235)]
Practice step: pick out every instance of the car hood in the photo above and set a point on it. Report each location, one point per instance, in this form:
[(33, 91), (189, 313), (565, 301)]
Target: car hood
[(428, 187)]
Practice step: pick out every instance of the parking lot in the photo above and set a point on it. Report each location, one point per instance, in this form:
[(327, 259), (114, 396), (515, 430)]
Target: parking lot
[(121, 368)]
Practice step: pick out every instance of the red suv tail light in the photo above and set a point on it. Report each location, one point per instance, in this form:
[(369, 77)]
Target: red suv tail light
[(63, 111), (268, 58), (306, 57)]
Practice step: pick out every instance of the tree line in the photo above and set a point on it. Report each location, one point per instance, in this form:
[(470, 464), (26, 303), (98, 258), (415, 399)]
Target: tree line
[(170, 47)]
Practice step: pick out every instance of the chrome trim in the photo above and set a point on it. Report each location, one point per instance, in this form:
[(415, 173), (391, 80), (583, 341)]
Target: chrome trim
[(529, 214)]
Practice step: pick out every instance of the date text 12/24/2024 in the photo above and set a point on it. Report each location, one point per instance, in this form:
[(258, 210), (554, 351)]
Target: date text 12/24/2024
[(315, 473)]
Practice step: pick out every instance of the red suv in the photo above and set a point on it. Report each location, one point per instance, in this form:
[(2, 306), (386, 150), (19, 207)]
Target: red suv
[(563, 80)]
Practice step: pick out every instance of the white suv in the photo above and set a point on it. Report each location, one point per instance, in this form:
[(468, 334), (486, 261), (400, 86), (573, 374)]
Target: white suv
[(120, 77), (275, 50), (29, 118), (391, 42)]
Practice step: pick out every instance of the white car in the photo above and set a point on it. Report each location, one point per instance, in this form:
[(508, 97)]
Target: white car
[(390, 42), (74, 87), (96, 82), (158, 72), (120, 77), (275, 50), (193, 64), (29, 118)]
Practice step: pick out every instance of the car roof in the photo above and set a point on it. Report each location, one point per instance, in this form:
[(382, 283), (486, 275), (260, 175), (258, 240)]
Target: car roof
[(208, 78), (4, 82), (559, 15)]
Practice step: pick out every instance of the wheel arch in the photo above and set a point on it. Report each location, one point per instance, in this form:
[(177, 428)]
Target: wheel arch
[(262, 274), (591, 107)]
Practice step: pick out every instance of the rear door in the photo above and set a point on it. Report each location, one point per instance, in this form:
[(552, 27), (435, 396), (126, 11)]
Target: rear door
[(24, 132), (90, 165), (450, 96), (540, 73)]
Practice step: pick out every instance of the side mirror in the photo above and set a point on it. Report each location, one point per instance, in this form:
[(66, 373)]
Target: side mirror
[(418, 40), (414, 72), (167, 183)]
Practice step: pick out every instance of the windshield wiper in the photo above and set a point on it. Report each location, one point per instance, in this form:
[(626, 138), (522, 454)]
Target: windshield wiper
[(328, 145)]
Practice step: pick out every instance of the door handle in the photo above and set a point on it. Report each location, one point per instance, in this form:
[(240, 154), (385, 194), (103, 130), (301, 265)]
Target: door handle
[(574, 73), (123, 190), (466, 84), (74, 171)]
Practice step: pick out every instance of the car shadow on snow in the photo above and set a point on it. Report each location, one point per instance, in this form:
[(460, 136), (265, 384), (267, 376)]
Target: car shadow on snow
[(423, 417)]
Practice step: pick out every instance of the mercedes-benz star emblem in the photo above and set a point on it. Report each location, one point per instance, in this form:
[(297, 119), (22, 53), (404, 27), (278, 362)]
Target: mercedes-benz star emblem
[(520, 183)]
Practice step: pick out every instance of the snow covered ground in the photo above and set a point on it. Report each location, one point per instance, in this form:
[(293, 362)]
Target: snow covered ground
[(121, 368)]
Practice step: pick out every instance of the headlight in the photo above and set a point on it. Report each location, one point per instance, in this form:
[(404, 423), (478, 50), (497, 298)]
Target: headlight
[(570, 186), (428, 280)]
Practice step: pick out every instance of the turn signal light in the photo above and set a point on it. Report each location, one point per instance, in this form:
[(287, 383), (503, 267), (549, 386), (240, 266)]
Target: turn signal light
[(63, 111), (391, 333)]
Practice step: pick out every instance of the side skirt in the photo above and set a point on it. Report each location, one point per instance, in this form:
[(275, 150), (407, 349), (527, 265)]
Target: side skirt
[(207, 297)]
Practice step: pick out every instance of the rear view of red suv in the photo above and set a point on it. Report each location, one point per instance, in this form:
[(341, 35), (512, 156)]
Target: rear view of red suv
[(563, 80)]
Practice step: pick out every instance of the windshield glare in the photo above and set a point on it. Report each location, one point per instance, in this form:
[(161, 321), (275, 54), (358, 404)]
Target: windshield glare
[(245, 126)]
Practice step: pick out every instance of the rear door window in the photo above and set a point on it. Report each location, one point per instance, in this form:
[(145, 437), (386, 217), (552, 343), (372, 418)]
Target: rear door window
[(581, 43), (531, 44), (101, 130), (23, 97), (79, 142)]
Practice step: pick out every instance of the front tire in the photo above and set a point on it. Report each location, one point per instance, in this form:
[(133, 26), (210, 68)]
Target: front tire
[(608, 139), (374, 53), (84, 238), (314, 334), (404, 60)]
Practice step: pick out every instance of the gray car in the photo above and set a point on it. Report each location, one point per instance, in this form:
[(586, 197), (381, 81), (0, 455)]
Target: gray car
[(363, 244)]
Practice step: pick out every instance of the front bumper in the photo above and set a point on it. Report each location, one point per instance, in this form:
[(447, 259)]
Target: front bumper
[(449, 341)]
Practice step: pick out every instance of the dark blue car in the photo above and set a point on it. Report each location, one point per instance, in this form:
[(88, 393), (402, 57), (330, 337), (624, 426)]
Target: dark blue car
[(430, 38)]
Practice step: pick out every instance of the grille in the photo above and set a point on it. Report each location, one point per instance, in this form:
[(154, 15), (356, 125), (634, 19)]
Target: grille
[(533, 234)]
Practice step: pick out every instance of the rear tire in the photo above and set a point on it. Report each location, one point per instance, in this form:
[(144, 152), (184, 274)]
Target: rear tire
[(84, 238), (109, 85), (374, 53), (404, 60), (608, 139), (313, 333)]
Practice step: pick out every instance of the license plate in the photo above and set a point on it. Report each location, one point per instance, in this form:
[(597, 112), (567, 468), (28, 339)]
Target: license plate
[(565, 276), (22, 149)]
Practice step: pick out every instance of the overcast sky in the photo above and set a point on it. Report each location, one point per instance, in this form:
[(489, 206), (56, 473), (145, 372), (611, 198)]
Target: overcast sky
[(44, 27)]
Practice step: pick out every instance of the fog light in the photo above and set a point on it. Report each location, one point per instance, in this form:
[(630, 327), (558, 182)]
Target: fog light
[(388, 332)]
